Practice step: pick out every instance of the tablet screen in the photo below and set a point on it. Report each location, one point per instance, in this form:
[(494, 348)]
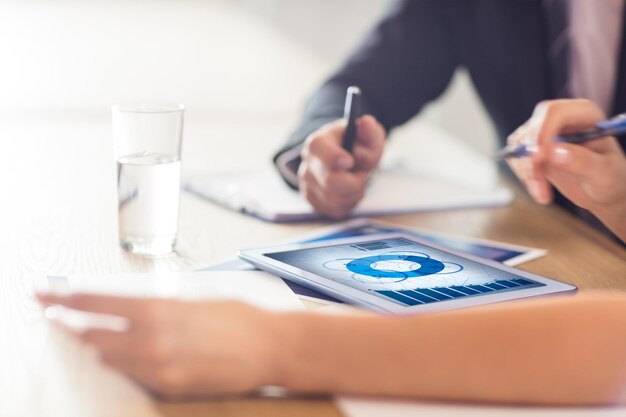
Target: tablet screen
[(403, 271)]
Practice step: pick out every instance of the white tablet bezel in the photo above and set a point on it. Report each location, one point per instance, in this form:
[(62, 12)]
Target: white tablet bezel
[(354, 296)]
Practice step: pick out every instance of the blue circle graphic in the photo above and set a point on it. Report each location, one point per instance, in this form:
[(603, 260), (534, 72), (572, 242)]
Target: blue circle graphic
[(363, 266)]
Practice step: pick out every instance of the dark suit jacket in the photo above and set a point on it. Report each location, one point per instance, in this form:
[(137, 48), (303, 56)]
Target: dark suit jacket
[(409, 57)]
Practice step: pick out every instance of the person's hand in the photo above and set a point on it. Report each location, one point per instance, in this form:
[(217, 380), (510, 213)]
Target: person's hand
[(181, 349), (332, 179), (592, 175)]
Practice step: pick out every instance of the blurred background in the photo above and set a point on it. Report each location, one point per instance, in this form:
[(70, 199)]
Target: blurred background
[(243, 69)]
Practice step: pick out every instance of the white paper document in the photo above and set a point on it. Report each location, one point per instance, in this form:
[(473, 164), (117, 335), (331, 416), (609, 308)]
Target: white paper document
[(360, 407), (254, 287), (264, 194)]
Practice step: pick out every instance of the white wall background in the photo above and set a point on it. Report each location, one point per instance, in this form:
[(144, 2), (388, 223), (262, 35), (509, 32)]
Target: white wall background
[(228, 60)]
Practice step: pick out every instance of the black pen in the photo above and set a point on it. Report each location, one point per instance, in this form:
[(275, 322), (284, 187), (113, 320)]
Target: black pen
[(615, 126), (351, 111)]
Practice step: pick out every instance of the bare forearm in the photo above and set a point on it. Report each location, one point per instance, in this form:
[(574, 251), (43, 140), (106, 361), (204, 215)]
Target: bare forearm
[(556, 351)]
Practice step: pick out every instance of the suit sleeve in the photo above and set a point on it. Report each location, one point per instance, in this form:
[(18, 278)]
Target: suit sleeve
[(405, 61)]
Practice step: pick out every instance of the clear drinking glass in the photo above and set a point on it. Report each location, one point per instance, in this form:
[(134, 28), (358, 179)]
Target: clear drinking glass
[(148, 140)]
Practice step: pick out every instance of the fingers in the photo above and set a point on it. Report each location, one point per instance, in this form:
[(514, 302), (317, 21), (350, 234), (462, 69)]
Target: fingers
[(369, 144), (555, 117), (549, 119), (104, 304), (528, 171), (592, 180), (576, 159), (324, 146), (322, 153), (335, 206), (335, 197), (181, 348), (538, 185), (148, 354), (604, 146), (332, 179), (128, 345)]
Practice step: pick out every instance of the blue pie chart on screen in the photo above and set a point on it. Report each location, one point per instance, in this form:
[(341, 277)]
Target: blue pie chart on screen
[(422, 266)]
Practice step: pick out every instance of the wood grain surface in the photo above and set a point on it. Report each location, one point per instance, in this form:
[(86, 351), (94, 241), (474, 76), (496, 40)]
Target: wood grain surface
[(58, 216)]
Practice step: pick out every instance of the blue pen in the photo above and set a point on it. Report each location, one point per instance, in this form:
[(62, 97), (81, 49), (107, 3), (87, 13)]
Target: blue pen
[(615, 126)]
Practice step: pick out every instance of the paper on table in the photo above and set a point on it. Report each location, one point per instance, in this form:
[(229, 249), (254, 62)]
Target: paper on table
[(359, 407), (264, 195), (254, 287)]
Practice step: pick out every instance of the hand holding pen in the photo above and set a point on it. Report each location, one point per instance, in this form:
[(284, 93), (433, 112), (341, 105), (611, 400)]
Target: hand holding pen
[(615, 126), (589, 169), (337, 159)]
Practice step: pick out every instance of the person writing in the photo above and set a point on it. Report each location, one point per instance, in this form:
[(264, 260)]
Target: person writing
[(517, 54), (550, 351)]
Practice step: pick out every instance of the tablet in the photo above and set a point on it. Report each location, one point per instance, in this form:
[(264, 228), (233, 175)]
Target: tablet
[(399, 273)]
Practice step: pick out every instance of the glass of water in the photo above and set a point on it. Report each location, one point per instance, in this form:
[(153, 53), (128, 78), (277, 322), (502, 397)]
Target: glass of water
[(148, 140)]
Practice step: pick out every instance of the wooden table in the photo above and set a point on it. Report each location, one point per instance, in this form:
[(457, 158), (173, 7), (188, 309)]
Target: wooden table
[(59, 217)]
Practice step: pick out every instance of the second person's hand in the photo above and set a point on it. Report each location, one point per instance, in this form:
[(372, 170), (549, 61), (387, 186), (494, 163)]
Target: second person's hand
[(592, 175), (332, 179), (182, 349)]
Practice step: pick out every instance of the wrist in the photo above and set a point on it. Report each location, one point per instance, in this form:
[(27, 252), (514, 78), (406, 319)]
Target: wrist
[(281, 341), (309, 350), (614, 218)]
